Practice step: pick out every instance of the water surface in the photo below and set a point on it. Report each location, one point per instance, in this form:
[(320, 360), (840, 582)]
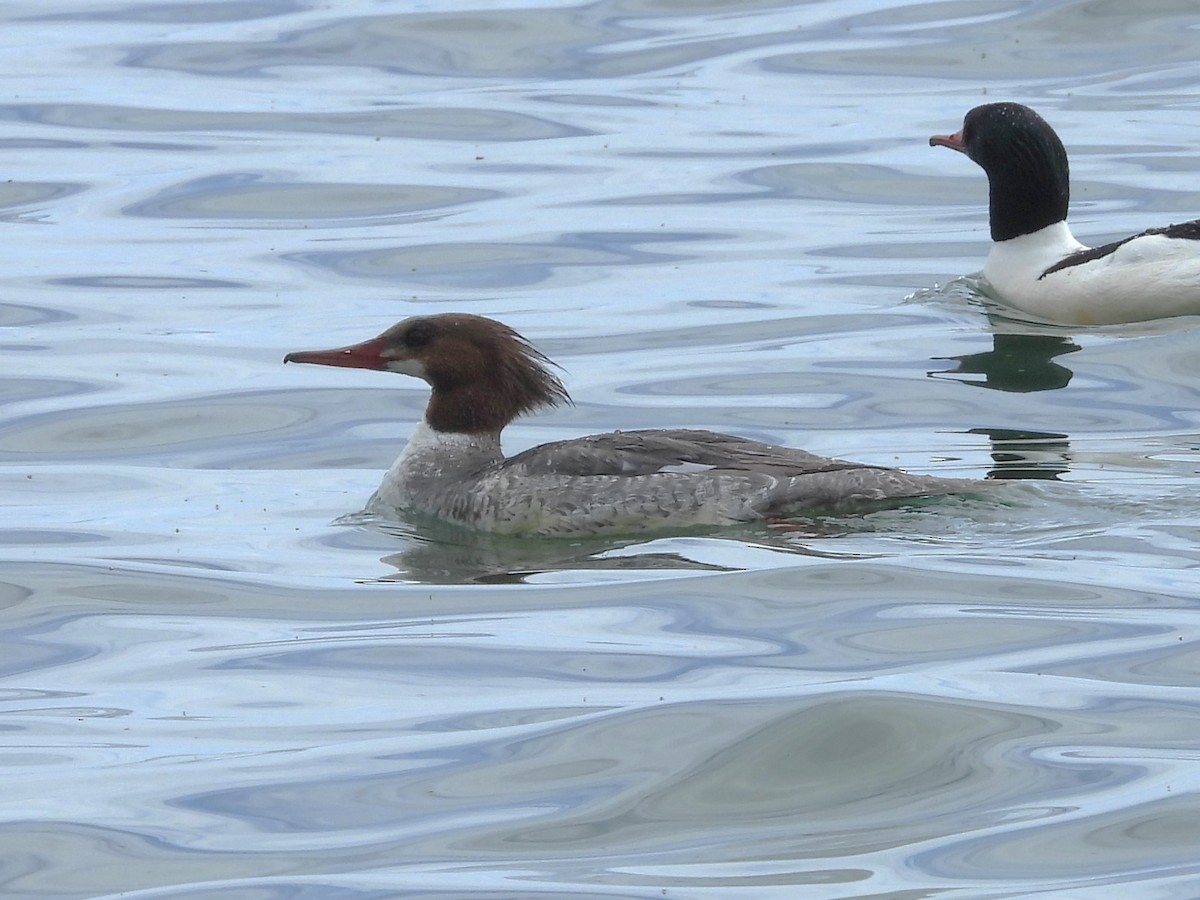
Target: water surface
[(219, 682)]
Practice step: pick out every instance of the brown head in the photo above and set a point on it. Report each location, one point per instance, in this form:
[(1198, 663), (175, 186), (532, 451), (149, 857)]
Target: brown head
[(483, 373)]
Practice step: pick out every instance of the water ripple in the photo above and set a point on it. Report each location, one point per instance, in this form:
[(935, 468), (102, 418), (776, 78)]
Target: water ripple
[(221, 680), (425, 123), (251, 196)]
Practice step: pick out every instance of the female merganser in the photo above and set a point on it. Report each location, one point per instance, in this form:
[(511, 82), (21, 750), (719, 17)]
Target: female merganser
[(1035, 264), (484, 375)]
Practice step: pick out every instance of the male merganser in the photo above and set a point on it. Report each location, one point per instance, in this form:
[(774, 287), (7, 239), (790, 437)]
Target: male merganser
[(484, 375), (1036, 264)]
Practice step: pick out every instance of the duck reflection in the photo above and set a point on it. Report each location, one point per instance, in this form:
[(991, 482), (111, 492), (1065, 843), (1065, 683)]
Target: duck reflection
[(486, 559), (1020, 363), (435, 552), (1020, 454)]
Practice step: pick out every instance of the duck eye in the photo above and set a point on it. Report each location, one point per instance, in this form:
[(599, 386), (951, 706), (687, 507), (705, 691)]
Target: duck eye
[(418, 336)]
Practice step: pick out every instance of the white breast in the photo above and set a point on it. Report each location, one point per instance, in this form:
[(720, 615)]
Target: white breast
[(1149, 277)]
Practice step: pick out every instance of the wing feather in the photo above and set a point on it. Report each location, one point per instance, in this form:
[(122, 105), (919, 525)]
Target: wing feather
[(648, 452)]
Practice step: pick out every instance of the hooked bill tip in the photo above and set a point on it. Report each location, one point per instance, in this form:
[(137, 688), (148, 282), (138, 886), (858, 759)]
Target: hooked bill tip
[(953, 141), (367, 355)]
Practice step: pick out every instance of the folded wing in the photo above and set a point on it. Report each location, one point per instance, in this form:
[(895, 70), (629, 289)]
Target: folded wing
[(647, 452)]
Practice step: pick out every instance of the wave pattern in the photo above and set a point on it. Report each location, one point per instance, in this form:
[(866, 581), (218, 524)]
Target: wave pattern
[(219, 679)]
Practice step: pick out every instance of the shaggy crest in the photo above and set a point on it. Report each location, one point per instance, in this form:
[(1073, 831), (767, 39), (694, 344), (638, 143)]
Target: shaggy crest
[(483, 373)]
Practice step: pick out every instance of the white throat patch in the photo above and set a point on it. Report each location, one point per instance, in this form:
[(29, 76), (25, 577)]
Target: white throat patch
[(407, 367)]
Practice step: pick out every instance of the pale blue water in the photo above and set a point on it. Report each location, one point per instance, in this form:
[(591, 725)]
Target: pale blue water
[(718, 214)]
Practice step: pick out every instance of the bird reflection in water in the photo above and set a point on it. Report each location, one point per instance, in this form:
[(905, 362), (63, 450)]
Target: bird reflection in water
[(1020, 363), (1019, 454)]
